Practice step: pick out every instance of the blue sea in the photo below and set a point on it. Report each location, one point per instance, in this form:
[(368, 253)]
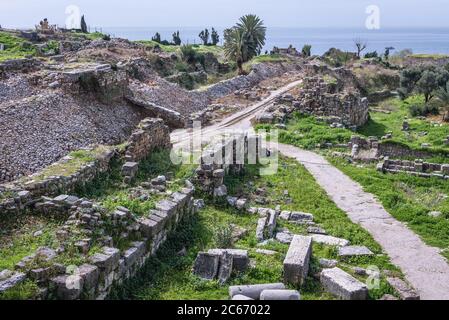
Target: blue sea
[(420, 40)]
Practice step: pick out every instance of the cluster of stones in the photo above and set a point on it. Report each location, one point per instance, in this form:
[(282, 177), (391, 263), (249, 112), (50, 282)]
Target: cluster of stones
[(150, 135), (418, 168), (216, 161), (14, 201), (85, 227), (371, 149), (318, 98), (220, 264), (254, 94), (209, 114)]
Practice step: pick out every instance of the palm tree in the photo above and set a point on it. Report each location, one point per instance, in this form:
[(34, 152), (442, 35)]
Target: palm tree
[(234, 46), (254, 33)]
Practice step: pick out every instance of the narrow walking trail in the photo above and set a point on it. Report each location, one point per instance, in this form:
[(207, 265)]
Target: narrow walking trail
[(423, 266)]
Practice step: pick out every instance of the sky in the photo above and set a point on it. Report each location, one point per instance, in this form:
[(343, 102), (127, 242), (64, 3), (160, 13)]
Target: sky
[(223, 13)]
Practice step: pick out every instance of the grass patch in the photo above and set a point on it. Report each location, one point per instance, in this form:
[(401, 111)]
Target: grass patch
[(168, 276), (421, 130), (25, 291), (15, 47), (409, 199), (306, 132)]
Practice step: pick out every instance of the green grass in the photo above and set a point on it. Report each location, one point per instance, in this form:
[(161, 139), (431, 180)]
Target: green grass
[(168, 276), (409, 199), (306, 132), (382, 123), (26, 243), (16, 47), (27, 290)]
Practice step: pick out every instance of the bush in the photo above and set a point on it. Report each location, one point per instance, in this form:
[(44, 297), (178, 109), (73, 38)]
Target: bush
[(190, 56), (223, 237), (417, 110), (370, 55)]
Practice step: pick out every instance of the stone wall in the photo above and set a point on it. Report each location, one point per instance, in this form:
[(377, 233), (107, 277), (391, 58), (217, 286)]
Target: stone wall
[(319, 98), (151, 134), (20, 195), (418, 167), (372, 149), (106, 84), (110, 266), (22, 65)]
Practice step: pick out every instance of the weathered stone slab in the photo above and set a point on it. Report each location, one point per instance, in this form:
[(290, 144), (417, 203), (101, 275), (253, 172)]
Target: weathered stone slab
[(316, 230), (10, 279), (301, 217), (284, 237), (343, 285), (254, 291), (206, 265), (107, 260), (67, 287), (225, 269), (326, 263), (167, 206), (271, 224), (266, 252), (405, 291), (351, 251), (329, 240), (275, 295), (285, 215), (89, 274), (129, 169), (296, 263), (260, 229), (240, 257)]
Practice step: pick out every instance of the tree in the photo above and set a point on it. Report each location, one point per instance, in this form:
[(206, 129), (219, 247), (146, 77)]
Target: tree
[(204, 36), (156, 37), (370, 55), (215, 37), (254, 33), (387, 52), (361, 46), (307, 50), (84, 25), (427, 84), (408, 79), (234, 46), (176, 38), (443, 94)]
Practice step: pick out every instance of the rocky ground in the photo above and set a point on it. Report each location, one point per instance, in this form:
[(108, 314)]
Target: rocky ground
[(85, 95)]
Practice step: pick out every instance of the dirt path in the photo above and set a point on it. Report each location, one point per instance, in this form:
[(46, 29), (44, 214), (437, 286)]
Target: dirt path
[(422, 265)]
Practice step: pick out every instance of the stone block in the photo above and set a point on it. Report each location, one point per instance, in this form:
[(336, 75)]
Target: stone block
[(206, 265), (352, 251), (225, 268), (296, 263), (107, 260), (343, 285), (329, 240), (67, 287), (90, 275), (129, 169), (405, 291), (10, 279), (240, 257)]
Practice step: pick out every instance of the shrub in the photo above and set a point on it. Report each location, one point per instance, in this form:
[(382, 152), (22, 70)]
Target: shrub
[(307, 50), (370, 55), (223, 237), (191, 56), (417, 110)]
